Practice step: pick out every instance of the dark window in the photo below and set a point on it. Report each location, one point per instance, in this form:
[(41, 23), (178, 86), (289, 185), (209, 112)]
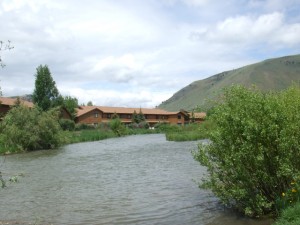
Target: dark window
[(179, 117), (128, 116), (108, 115), (157, 117), (96, 115)]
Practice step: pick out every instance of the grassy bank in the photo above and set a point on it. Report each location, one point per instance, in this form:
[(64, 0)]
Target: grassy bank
[(100, 134), (89, 135), (190, 132), (290, 216)]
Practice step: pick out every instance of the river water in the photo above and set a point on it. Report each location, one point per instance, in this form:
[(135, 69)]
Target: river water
[(141, 179)]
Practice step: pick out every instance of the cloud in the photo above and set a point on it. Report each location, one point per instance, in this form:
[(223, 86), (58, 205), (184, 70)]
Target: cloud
[(139, 51), (128, 98), (245, 30)]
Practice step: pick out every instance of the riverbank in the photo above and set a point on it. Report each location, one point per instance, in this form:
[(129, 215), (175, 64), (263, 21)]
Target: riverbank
[(190, 132)]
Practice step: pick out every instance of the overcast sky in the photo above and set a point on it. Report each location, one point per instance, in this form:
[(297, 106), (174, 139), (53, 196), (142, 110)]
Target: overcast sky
[(138, 53)]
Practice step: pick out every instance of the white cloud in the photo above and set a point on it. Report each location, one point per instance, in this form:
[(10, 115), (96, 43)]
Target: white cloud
[(196, 2), (128, 98), (139, 51), (245, 30)]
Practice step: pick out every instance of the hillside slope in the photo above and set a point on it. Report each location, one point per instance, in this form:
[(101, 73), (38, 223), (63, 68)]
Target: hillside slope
[(271, 74)]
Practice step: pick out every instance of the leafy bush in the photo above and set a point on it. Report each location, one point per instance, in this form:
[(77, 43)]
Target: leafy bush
[(30, 129), (254, 153), (117, 127), (141, 125), (67, 124)]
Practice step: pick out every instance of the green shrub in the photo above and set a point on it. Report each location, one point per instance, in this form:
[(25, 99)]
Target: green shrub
[(90, 135), (117, 127), (83, 126), (254, 153), (30, 129), (290, 216), (189, 132), (67, 124), (185, 136), (140, 125), (166, 127)]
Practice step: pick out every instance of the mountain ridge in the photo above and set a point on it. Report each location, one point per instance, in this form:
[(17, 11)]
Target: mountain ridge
[(270, 74)]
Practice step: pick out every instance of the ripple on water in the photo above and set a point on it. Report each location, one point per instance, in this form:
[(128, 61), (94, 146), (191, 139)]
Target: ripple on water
[(129, 180)]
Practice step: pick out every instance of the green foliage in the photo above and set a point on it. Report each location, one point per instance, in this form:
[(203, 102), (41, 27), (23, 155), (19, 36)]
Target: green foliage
[(67, 124), (138, 117), (254, 153), (290, 216), (166, 127), (190, 132), (135, 117), (90, 103), (90, 135), (141, 125), (45, 94), (288, 198), (83, 126), (117, 127), (70, 104), (30, 129)]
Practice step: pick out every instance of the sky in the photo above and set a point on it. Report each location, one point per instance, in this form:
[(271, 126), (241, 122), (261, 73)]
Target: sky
[(138, 53)]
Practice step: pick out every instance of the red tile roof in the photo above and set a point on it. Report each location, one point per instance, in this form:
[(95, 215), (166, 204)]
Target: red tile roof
[(198, 115), (122, 110)]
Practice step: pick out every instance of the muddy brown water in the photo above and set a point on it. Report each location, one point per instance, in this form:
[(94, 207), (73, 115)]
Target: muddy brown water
[(141, 179)]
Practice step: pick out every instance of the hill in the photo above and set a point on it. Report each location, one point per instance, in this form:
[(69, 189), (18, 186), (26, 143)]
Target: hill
[(271, 74)]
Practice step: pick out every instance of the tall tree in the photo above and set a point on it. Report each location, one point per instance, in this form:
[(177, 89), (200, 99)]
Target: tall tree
[(45, 94), (71, 104)]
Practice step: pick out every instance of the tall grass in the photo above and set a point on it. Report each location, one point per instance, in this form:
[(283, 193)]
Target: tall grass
[(86, 135), (190, 132), (290, 216), (90, 135)]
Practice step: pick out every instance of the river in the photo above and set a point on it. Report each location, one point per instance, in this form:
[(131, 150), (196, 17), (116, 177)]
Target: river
[(141, 179)]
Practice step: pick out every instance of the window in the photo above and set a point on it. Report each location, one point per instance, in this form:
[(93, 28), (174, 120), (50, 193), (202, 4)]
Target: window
[(108, 115), (157, 117), (128, 116), (179, 117), (96, 115)]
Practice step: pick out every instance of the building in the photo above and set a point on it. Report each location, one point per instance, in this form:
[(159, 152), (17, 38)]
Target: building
[(197, 117), (94, 115), (7, 103)]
